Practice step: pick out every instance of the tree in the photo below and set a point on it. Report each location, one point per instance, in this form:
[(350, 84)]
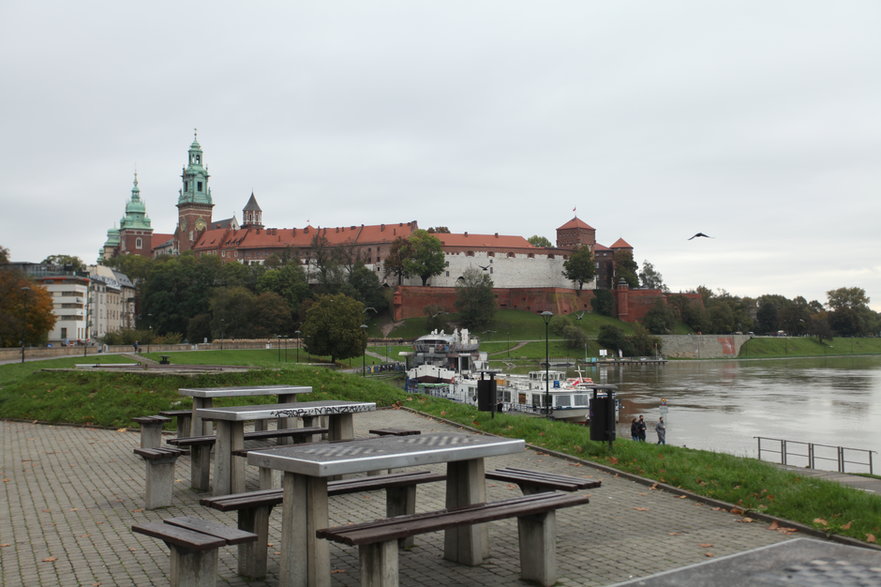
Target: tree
[(333, 327), (475, 300), (4, 255), (649, 278), (850, 314), (177, 289), (603, 302), (539, 241), (625, 267), (135, 267), (400, 250), (69, 262), (660, 319), (580, 266), (367, 289), (435, 318), (330, 276), (26, 315), (439, 230), (427, 256), (288, 281), (611, 337)]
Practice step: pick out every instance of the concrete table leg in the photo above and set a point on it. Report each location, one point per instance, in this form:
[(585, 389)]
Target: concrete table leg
[(305, 560), (467, 545), (200, 427), (341, 427), (401, 501), (379, 564), (160, 482), (229, 473), (151, 434), (253, 554), (200, 467), (538, 548)]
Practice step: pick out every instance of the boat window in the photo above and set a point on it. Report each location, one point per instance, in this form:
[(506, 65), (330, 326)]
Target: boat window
[(564, 401), (581, 399)]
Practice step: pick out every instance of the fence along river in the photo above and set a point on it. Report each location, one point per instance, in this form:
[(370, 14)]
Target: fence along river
[(722, 405)]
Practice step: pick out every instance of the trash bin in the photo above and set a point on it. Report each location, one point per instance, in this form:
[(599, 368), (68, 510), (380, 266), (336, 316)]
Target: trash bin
[(486, 395), (602, 417)]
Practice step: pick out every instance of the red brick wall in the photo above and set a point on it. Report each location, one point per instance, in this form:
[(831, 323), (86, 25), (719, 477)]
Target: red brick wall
[(410, 301)]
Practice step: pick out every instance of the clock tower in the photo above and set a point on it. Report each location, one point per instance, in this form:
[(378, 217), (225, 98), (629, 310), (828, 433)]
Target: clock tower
[(194, 202)]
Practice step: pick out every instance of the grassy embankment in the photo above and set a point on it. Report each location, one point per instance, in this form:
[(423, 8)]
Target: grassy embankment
[(112, 399)]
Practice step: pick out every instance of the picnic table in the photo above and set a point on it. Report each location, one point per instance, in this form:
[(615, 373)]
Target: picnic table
[(305, 559), (203, 397), (229, 472)]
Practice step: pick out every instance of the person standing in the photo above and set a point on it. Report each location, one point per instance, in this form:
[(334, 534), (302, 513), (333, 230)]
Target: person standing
[(634, 430), (661, 430), (641, 429)]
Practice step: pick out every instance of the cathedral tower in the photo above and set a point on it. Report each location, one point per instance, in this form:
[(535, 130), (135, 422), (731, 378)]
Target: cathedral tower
[(194, 202), (135, 234), (252, 215)]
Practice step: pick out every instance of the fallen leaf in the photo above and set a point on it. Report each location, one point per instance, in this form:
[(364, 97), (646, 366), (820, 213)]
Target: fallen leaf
[(122, 430), (709, 554), (847, 526), (653, 486), (774, 525), (746, 520), (337, 571), (50, 559), (682, 496), (871, 538), (641, 509), (705, 545), (5, 544), (821, 522), (674, 533), (736, 511)]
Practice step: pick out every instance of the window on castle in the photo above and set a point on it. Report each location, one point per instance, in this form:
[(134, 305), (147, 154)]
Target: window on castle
[(510, 255), (469, 254), (199, 186), (139, 243), (491, 254), (186, 185), (531, 255)]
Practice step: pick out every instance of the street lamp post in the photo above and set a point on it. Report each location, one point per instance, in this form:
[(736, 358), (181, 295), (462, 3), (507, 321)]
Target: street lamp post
[(364, 356), (26, 292), (546, 316), (298, 333), (278, 346)]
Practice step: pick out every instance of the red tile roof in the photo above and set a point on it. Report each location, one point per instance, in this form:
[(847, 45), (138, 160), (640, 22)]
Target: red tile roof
[(620, 244), (483, 241), (576, 222)]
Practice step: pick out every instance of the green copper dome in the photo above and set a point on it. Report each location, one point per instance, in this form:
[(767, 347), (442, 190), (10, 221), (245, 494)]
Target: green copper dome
[(112, 238), (135, 210)]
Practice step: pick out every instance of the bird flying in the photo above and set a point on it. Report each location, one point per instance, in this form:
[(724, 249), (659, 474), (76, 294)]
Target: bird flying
[(700, 234)]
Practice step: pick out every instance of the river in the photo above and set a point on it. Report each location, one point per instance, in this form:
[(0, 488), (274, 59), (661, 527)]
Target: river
[(722, 405)]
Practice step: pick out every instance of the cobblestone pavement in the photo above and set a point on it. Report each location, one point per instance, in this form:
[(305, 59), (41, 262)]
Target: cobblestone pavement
[(70, 496)]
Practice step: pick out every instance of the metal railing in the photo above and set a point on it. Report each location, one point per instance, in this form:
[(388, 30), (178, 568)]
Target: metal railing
[(814, 455)]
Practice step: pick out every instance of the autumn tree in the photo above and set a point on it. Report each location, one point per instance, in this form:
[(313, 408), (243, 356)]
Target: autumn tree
[(580, 267), (26, 315), (4, 255), (333, 327), (649, 278)]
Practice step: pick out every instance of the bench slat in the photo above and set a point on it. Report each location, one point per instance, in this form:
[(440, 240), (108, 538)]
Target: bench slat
[(158, 453), (254, 435), (549, 480), (179, 536), (219, 531), (273, 497), (405, 526)]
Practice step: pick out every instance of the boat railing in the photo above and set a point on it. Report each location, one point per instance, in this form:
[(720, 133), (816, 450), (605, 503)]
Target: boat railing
[(813, 455)]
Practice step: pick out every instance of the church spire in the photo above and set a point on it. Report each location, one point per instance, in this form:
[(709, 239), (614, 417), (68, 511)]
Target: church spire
[(252, 215)]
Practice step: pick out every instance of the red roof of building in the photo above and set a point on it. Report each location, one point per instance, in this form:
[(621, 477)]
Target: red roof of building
[(265, 238), (483, 241), (159, 239), (576, 222), (621, 244)]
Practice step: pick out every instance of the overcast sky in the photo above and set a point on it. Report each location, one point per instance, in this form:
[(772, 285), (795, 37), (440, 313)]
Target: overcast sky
[(756, 122)]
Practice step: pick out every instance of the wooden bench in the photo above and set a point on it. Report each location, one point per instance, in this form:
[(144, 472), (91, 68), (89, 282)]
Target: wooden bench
[(254, 508), (184, 420), (151, 430), (536, 520), (200, 449), (394, 431), (164, 360), (160, 475), (538, 481), (193, 543)]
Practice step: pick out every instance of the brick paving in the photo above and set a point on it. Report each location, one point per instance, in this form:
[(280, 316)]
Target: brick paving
[(70, 496)]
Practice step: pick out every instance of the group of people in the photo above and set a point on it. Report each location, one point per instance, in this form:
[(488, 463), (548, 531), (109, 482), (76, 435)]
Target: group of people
[(638, 427)]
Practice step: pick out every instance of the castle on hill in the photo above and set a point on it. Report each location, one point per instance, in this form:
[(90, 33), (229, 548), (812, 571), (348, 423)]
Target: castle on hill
[(520, 271)]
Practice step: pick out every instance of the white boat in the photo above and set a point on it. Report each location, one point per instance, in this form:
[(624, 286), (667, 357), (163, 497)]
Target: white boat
[(450, 365)]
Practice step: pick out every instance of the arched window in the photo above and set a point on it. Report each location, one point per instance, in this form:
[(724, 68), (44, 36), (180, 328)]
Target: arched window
[(139, 244)]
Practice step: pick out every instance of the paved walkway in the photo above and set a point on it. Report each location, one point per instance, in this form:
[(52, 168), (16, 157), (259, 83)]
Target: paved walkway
[(70, 496)]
